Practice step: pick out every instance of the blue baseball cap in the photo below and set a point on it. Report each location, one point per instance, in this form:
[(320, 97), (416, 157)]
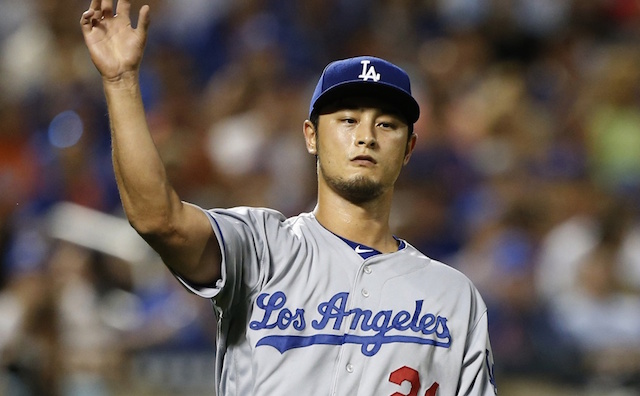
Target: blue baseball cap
[(367, 76)]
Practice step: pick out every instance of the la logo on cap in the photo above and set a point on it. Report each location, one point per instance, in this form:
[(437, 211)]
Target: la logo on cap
[(369, 73)]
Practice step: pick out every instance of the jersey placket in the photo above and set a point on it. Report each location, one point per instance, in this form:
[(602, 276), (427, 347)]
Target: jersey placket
[(351, 359)]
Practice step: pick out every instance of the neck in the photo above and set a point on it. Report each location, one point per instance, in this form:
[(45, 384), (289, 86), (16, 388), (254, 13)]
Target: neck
[(366, 223)]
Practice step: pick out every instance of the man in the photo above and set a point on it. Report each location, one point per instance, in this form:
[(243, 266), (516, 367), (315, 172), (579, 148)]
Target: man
[(324, 303)]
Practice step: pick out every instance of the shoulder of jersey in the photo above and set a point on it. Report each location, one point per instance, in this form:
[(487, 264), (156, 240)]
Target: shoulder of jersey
[(254, 211), (440, 267)]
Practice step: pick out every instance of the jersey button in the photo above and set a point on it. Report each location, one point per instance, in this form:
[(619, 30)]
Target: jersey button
[(365, 292), (349, 368), (367, 270)]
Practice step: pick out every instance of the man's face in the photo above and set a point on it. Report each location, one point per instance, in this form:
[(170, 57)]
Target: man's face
[(361, 146)]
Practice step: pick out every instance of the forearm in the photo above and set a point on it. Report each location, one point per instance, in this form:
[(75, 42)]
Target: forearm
[(179, 232), (147, 196)]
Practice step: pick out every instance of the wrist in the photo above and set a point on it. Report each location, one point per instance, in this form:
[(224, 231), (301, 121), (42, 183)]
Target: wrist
[(126, 80)]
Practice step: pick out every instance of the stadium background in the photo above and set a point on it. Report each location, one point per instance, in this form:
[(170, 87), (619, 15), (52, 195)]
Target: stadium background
[(526, 177)]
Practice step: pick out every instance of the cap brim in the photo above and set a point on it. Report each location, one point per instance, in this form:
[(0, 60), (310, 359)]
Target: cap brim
[(399, 99)]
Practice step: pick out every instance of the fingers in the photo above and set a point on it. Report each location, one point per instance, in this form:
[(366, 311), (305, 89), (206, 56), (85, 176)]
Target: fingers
[(123, 8), (99, 9), (143, 19), (107, 8), (90, 16), (95, 5), (88, 19)]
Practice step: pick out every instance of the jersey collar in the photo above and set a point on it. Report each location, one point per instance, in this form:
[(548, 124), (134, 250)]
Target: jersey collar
[(365, 251)]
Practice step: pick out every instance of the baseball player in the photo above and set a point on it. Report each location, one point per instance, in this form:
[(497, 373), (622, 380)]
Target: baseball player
[(323, 303)]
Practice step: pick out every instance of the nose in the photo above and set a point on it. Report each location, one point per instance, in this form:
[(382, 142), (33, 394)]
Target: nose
[(365, 135)]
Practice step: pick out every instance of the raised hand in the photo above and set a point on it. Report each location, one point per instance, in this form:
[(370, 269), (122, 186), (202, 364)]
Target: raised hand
[(116, 47)]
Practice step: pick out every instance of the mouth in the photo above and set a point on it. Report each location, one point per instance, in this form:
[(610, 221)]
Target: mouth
[(364, 160)]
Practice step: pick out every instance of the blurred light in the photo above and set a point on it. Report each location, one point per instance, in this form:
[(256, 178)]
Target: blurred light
[(65, 129)]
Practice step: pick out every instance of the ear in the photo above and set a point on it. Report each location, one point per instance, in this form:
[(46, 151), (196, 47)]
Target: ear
[(310, 137), (411, 144)]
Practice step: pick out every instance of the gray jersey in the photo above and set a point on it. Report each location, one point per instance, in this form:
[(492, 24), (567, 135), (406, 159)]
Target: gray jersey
[(303, 311)]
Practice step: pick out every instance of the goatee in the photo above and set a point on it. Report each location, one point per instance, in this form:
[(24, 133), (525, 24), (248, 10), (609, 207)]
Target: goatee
[(357, 190)]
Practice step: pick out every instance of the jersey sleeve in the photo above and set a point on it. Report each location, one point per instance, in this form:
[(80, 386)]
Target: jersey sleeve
[(242, 234), (477, 375)]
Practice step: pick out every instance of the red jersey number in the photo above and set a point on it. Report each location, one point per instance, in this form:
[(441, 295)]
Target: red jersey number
[(405, 373)]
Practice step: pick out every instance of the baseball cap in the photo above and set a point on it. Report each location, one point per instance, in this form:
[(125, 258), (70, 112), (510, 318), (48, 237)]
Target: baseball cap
[(367, 76)]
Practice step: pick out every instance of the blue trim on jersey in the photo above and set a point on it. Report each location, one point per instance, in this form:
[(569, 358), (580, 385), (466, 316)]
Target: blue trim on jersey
[(370, 344), (367, 251), (219, 229), (363, 250), (222, 243)]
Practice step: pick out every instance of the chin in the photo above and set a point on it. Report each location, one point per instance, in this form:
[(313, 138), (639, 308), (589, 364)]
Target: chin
[(358, 189)]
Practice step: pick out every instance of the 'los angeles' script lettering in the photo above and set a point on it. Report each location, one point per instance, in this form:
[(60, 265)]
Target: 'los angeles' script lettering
[(373, 329)]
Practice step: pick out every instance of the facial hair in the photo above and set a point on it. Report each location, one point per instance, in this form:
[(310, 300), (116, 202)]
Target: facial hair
[(358, 190)]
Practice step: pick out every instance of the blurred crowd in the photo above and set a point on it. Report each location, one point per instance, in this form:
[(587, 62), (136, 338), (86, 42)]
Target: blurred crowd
[(526, 176)]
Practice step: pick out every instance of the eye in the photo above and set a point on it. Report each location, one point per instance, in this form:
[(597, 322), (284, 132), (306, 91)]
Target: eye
[(349, 120), (387, 125)]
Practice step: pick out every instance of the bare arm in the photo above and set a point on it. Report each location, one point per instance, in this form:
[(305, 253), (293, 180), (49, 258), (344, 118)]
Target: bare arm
[(179, 232)]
